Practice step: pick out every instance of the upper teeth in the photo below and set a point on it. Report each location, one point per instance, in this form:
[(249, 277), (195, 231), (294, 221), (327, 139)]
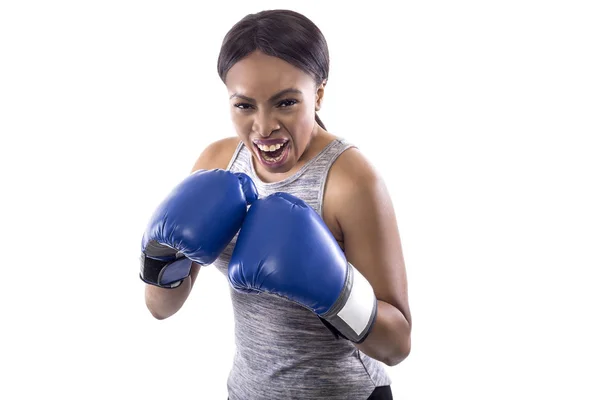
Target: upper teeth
[(272, 147)]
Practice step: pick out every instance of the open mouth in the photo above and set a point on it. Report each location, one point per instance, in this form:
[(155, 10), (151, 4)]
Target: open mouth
[(272, 155)]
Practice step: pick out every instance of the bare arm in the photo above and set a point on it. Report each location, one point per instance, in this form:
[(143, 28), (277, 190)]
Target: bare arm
[(163, 303), (363, 209)]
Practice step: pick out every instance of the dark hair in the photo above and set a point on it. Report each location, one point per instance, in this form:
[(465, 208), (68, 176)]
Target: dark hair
[(283, 34)]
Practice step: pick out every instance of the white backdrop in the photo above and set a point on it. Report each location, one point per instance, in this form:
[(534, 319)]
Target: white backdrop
[(483, 118)]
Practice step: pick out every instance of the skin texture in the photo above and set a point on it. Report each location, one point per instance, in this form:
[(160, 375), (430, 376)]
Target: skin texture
[(257, 115), (271, 99)]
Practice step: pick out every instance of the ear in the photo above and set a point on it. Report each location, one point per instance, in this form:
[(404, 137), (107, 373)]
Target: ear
[(320, 94)]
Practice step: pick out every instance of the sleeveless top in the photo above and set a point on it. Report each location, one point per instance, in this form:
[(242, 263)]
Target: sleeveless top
[(283, 351)]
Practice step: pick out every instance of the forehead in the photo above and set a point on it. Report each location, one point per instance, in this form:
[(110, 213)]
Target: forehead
[(259, 75)]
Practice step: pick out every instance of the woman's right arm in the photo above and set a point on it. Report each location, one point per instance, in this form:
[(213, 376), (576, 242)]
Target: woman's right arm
[(161, 302)]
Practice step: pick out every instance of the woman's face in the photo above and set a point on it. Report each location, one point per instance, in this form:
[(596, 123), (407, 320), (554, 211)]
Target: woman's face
[(273, 108)]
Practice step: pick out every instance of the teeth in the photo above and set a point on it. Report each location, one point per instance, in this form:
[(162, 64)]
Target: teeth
[(273, 147), (271, 159)]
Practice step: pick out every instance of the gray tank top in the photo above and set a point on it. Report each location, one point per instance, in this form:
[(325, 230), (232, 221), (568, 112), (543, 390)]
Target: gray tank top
[(283, 351)]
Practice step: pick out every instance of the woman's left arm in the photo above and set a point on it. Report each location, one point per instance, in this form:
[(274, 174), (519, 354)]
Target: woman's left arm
[(363, 210)]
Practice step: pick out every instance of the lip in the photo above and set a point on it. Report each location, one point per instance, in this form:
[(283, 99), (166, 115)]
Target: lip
[(270, 142), (267, 164)]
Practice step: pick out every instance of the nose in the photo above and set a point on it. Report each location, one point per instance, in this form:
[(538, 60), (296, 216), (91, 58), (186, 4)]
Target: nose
[(265, 124)]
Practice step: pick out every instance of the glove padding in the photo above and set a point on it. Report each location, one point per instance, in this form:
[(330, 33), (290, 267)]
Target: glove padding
[(285, 248), (194, 223)]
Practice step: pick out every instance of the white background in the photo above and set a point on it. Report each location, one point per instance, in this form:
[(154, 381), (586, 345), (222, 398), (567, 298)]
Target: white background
[(483, 118)]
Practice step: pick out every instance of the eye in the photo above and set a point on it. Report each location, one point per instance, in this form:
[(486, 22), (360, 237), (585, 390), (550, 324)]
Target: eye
[(243, 106), (287, 103)]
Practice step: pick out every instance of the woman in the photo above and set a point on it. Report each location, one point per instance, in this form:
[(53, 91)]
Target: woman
[(275, 66)]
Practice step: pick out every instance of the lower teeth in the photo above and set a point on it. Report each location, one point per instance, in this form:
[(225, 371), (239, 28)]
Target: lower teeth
[(270, 159)]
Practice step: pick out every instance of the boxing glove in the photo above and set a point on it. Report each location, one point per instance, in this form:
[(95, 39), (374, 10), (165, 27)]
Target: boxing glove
[(285, 248), (194, 223)]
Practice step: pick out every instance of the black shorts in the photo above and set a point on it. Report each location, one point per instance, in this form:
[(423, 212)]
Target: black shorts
[(381, 393)]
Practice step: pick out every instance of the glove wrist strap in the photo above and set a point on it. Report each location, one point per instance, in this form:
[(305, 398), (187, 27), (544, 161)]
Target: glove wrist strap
[(353, 314), (165, 274)]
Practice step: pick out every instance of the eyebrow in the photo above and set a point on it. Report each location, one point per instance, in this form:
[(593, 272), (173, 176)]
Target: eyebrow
[(275, 96)]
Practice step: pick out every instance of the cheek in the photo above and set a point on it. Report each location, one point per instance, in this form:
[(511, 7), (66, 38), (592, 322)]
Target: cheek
[(302, 119), (300, 123), (301, 130)]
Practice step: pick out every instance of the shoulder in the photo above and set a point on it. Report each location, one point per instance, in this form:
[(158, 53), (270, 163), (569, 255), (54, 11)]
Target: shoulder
[(353, 187), (351, 176), (217, 154)]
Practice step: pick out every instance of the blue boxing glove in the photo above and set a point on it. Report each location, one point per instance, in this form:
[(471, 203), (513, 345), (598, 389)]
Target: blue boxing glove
[(285, 248), (194, 223)]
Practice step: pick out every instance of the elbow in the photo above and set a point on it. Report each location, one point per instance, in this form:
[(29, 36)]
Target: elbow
[(400, 354), (396, 359), (157, 315)]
